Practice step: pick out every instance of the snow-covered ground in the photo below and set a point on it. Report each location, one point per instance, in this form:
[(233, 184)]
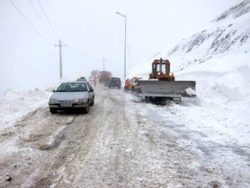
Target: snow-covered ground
[(14, 105), (121, 142), (202, 139)]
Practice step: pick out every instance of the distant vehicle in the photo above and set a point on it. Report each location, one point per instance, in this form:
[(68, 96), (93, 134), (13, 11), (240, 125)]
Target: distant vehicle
[(81, 79), (106, 82), (114, 82), (103, 76), (132, 84), (70, 95)]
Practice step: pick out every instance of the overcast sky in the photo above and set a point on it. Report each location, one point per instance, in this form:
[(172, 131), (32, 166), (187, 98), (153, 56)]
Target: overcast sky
[(91, 30)]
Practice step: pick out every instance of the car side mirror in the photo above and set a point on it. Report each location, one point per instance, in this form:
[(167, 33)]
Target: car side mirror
[(53, 90), (91, 90)]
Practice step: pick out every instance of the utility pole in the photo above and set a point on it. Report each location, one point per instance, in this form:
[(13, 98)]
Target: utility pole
[(129, 65), (125, 40), (125, 49), (60, 45)]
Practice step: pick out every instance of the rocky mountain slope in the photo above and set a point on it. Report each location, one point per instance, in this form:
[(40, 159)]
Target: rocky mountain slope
[(227, 35)]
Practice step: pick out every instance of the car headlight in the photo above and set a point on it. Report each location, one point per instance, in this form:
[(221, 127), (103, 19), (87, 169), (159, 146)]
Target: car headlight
[(81, 100), (77, 100), (53, 101)]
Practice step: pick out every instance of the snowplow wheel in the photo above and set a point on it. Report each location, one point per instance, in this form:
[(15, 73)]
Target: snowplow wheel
[(52, 110), (147, 99)]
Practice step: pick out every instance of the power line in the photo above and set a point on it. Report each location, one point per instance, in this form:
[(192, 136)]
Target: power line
[(80, 52), (47, 18), (77, 51), (41, 19), (27, 20)]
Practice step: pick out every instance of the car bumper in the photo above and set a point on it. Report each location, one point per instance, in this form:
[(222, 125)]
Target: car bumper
[(68, 105)]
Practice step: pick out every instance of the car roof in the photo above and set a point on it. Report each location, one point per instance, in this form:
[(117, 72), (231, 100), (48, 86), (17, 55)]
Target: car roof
[(115, 78), (74, 82), (77, 81)]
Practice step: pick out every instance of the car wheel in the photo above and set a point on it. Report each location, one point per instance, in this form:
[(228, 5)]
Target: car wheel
[(92, 103), (147, 99), (52, 110), (86, 109)]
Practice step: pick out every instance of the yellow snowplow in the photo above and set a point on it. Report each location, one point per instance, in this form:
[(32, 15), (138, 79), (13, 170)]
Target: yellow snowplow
[(162, 85)]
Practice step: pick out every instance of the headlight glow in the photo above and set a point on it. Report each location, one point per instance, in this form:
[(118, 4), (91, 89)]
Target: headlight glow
[(53, 101), (81, 100)]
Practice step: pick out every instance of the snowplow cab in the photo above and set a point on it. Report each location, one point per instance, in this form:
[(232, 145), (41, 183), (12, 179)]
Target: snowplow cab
[(161, 70)]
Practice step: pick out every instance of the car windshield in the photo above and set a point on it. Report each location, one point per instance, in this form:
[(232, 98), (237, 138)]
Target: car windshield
[(72, 87)]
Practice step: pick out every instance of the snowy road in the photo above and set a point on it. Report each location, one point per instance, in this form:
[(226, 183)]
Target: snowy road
[(120, 143)]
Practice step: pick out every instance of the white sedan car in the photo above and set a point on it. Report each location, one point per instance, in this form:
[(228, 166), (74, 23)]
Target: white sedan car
[(71, 95)]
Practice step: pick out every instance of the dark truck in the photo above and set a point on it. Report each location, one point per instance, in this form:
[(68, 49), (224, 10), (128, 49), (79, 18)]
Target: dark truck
[(113, 82)]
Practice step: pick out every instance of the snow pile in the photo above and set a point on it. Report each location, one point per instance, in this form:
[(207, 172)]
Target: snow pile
[(190, 92), (16, 104)]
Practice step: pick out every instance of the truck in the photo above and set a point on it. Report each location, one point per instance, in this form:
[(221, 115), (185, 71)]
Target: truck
[(162, 85)]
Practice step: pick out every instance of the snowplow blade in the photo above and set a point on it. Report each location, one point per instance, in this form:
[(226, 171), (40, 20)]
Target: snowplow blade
[(156, 88)]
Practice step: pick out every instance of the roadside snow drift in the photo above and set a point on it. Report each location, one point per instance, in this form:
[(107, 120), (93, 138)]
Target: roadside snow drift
[(14, 105)]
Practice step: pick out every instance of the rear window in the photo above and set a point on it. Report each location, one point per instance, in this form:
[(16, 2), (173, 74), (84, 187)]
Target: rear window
[(115, 79)]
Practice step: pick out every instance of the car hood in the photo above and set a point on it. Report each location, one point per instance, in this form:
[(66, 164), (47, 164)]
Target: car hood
[(69, 95)]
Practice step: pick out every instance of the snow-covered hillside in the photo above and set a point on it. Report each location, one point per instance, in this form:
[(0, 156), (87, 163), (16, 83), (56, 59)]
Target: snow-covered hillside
[(227, 35)]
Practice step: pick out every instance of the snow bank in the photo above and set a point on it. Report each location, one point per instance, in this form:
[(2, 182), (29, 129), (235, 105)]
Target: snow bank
[(223, 89), (16, 104)]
